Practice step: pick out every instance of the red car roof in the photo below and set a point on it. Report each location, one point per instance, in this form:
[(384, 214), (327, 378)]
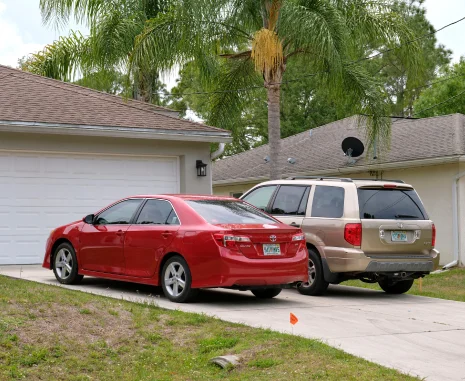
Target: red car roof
[(186, 197)]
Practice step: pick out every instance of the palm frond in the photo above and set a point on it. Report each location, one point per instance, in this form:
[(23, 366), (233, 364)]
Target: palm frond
[(61, 59)]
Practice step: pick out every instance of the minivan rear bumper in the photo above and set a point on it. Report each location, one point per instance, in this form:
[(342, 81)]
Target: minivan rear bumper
[(341, 260)]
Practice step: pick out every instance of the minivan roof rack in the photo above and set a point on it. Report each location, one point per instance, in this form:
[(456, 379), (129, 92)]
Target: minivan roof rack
[(346, 180), (387, 180), (343, 179)]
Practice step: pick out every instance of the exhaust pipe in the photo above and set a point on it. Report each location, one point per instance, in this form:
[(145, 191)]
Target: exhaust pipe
[(403, 274)]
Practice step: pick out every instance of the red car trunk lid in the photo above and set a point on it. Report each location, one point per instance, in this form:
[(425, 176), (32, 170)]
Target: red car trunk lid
[(266, 241)]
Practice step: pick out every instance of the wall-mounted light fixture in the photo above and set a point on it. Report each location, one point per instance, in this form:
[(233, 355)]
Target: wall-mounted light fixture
[(201, 168)]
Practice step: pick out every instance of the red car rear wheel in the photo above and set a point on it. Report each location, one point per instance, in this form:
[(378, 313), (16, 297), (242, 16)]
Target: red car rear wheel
[(176, 280)]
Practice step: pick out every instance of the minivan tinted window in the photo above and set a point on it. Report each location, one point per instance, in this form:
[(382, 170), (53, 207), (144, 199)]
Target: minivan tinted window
[(328, 202), (288, 200), (390, 204), (229, 212)]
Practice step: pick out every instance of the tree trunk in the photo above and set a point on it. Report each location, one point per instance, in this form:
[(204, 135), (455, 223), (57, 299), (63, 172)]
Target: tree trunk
[(274, 130)]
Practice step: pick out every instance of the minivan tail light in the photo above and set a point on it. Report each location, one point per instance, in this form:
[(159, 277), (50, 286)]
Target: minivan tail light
[(353, 234), (433, 238)]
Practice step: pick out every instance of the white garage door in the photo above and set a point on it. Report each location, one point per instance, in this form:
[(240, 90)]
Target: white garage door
[(39, 192)]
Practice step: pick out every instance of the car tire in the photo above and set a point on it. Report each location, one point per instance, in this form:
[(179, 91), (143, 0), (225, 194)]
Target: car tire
[(65, 265), (176, 280), (316, 284), (400, 287), (266, 293)]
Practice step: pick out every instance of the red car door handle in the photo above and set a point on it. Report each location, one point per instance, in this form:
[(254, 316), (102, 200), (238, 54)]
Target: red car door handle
[(119, 232), (166, 234)]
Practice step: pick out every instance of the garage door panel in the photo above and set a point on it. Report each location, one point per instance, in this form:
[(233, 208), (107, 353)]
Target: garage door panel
[(27, 164), (6, 164), (39, 192)]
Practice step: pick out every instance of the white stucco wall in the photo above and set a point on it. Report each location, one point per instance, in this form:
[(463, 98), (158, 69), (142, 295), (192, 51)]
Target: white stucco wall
[(188, 152), (434, 186)]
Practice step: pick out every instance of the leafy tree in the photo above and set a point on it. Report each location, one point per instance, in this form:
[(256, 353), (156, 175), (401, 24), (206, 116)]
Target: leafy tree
[(402, 88), (446, 95)]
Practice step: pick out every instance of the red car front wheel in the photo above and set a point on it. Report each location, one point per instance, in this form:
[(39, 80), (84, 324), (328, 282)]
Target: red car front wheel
[(65, 266)]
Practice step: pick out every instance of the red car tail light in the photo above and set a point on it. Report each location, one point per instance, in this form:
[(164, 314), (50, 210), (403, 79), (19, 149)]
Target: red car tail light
[(433, 238), (298, 237), (353, 234), (230, 240)]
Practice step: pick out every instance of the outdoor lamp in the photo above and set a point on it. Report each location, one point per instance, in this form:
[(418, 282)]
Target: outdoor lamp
[(201, 168)]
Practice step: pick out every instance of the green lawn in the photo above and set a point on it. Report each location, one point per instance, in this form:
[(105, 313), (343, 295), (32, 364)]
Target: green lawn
[(51, 333), (445, 285)]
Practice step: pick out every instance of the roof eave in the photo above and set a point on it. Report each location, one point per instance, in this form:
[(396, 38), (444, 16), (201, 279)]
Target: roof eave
[(117, 132), (354, 169)]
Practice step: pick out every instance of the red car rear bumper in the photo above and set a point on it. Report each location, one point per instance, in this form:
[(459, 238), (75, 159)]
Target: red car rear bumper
[(234, 269)]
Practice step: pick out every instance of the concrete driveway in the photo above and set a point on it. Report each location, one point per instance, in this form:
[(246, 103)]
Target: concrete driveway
[(416, 335)]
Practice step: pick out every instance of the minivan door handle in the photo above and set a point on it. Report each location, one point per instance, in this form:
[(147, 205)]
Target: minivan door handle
[(166, 234), (295, 225)]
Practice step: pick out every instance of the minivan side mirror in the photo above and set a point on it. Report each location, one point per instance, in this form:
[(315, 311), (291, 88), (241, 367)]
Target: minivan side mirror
[(89, 219)]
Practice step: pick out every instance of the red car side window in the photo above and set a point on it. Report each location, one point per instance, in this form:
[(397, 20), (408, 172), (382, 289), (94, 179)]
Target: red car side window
[(119, 214)]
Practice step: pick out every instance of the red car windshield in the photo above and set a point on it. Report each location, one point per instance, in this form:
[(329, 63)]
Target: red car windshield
[(229, 212)]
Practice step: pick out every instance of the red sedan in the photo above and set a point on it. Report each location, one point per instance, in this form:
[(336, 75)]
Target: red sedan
[(182, 243)]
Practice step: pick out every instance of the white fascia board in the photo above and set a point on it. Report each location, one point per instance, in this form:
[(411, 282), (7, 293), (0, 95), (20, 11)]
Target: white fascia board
[(116, 132)]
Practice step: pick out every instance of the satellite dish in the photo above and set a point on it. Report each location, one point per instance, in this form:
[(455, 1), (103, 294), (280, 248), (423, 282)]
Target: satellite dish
[(352, 147)]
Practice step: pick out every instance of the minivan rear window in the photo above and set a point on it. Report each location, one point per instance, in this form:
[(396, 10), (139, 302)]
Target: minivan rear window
[(229, 212), (390, 204)]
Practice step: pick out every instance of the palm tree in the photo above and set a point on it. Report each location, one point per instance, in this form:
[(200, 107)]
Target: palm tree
[(240, 43), (243, 44), (114, 26)]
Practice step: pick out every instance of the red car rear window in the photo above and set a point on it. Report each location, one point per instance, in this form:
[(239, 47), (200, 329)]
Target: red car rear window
[(229, 212)]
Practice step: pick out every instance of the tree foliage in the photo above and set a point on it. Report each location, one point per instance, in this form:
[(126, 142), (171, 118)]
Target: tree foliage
[(446, 95)]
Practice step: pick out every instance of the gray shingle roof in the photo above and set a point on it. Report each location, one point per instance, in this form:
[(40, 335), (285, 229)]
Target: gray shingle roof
[(25, 97), (320, 151)]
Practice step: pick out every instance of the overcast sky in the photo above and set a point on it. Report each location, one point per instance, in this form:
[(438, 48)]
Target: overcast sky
[(22, 30)]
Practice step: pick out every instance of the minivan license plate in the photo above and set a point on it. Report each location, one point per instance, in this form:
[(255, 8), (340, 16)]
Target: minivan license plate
[(271, 249), (399, 236)]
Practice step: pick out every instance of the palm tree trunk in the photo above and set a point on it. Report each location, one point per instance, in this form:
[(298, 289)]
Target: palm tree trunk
[(274, 131)]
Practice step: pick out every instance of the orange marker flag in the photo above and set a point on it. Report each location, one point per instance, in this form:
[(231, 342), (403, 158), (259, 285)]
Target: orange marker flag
[(293, 319)]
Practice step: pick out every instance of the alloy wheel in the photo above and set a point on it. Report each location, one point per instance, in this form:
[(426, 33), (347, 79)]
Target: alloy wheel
[(175, 279), (311, 274), (64, 263)]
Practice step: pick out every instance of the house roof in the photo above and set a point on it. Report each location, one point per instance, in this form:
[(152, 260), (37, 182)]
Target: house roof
[(318, 151), (26, 97)]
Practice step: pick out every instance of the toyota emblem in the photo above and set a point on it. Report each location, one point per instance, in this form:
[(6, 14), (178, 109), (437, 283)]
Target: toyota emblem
[(272, 238)]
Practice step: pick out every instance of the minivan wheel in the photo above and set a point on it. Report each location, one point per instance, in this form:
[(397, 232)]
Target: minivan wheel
[(176, 280), (397, 287), (266, 293), (316, 282)]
